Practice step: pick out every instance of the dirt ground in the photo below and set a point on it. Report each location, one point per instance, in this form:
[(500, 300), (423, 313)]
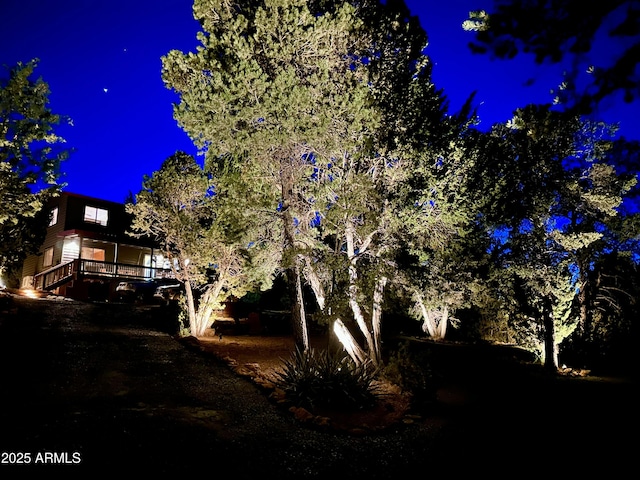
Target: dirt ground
[(259, 357), (116, 384)]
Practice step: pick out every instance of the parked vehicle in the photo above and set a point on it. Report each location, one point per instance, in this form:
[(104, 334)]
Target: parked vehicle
[(169, 293), (139, 291)]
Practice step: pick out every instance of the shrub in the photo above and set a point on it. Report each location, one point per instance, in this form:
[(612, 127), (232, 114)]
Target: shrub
[(411, 372), (182, 317), (318, 379)]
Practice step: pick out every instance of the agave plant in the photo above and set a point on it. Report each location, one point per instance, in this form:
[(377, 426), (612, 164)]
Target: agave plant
[(319, 379)]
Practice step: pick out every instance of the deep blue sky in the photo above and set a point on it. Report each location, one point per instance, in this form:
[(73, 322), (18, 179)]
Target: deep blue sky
[(101, 59)]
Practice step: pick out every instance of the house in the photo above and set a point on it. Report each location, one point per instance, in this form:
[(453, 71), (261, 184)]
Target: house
[(87, 251)]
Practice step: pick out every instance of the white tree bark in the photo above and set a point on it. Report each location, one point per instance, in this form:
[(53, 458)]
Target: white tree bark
[(206, 308), (303, 333), (434, 322), (191, 309), (316, 284), (376, 318), (444, 322), (348, 342), (428, 322), (353, 296)]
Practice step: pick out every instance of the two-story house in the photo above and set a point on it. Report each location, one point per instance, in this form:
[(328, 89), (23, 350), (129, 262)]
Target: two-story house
[(87, 251)]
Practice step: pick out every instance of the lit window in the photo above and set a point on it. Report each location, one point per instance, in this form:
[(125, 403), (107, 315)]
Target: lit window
[(96, 215), (53, 216), (47, 257), (97, 254)]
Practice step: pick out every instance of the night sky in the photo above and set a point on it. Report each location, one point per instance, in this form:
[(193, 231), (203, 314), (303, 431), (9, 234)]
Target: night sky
[(101, 60)]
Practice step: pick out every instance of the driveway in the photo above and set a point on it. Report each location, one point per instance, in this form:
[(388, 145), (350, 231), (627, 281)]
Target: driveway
[(93, 388)]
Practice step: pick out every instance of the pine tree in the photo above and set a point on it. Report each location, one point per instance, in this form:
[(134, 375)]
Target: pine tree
[(177, 208), (30, 160), (551, 193), (273, 92)]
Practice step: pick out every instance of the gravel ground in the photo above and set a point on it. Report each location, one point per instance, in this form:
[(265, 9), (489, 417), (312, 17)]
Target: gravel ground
[(89, 388)]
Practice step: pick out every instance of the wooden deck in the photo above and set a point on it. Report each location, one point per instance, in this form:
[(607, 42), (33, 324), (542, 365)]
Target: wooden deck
[(60, 274)]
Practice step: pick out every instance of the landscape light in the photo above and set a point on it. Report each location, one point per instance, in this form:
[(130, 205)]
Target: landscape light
[(29, 292)]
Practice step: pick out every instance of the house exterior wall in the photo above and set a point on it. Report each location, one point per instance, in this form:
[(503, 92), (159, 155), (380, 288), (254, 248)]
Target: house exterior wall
[(73, 233), (34, 263)]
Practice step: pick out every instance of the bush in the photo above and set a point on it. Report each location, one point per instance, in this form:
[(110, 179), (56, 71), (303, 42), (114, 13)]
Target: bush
[(412, 373), (318, 379)]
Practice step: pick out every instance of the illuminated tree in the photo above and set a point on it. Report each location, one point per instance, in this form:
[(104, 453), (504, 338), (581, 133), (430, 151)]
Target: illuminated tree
[(177, 208), (554, 192), (320, 121), (444, 280), (404, 189), (604, 294), (271, 93), (599, 43), (29, 162)]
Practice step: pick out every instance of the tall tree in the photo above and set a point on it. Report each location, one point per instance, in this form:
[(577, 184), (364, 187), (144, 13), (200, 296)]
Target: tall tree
[(404, 190), (604, 292), (30, 158), (550, 213), (599, 42), (272, 92), (176, 207), (602, 171), (323, 114)]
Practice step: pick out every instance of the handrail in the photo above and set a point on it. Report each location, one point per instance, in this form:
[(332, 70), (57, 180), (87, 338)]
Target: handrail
[(56, 276)]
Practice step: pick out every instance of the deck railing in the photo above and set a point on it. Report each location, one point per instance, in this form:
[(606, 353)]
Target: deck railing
[(61, 274)]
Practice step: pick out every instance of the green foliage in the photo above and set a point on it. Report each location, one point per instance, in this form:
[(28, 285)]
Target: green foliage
[(555, 199), (411, 372), (178, 208), (270, 82), (175, 208), (320, 379), (333, 155), (30, 160), (273, 94)]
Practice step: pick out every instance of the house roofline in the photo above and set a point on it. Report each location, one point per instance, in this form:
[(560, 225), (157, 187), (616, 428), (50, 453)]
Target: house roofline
[(126, 239), (88, 197)]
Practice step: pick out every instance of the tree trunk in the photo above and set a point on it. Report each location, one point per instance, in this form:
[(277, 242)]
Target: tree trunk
[(376, 318), (191, 308), (550, 352), (205, 309), (298, 314), (444, 323), (349, 343), (428, 325), (315, 282), (353, 293)]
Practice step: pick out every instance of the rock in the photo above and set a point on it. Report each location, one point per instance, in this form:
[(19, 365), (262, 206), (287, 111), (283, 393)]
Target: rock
[(302, 414)]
